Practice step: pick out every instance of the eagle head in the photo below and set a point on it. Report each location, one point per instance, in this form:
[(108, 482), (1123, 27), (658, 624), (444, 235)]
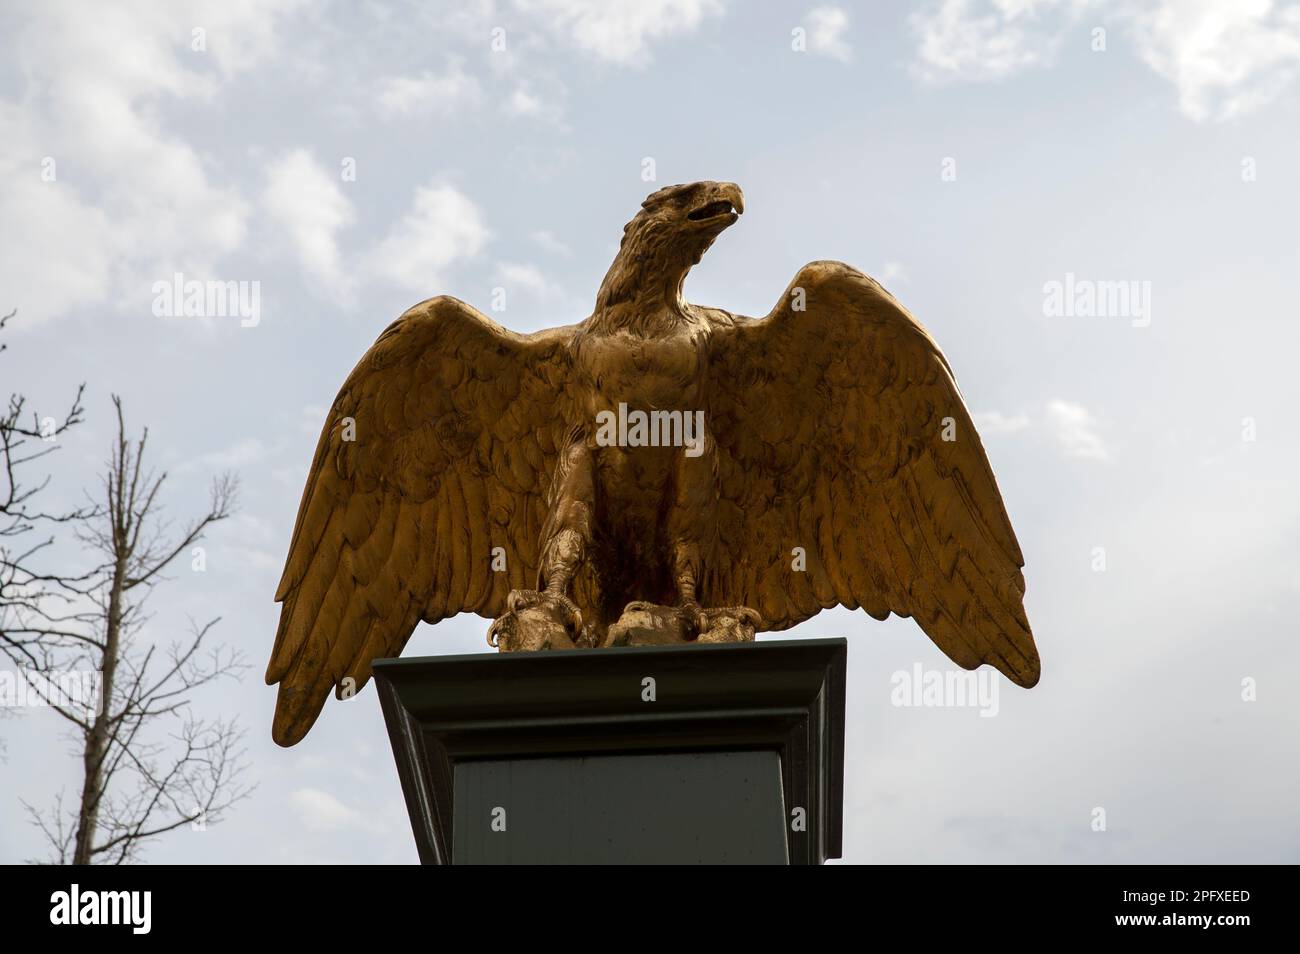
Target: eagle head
[(673, 230), (687, 218)]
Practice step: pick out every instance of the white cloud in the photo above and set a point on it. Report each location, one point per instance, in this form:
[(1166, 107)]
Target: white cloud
[(58, 252), (239, 454), (311, 417), (527, 278), (1224, 59), (527, 101), (548, 241), (620, 33), (1075, 430), (995, 422), (894, 271), (131, 201), (442, 228), (428, 94), (292, 476), (321, 811), (250, 544), (826, 26), (306, 200), (239, 33), (523, 102), (987, 39)]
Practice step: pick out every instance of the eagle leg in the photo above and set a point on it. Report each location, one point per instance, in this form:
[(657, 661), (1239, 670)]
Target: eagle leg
[(548, 618), (691, 520)]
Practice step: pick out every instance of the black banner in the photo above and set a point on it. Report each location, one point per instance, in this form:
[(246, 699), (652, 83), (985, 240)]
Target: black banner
[(213, 904)]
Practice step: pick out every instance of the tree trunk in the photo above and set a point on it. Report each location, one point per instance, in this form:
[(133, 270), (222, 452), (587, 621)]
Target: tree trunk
[(92, 789)]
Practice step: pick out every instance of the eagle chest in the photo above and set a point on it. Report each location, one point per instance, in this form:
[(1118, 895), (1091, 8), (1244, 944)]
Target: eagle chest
[(643, 373)]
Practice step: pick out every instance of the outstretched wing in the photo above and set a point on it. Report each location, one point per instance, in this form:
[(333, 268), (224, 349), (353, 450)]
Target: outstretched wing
[(841, 431), (437, 450)]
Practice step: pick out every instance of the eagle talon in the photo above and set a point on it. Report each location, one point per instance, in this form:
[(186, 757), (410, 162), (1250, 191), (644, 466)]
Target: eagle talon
[(536, 620), (649, 624), (693, 620), (729, 624)]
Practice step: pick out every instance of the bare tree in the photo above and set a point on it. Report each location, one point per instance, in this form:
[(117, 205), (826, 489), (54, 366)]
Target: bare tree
[(32, 603), (150, 765)]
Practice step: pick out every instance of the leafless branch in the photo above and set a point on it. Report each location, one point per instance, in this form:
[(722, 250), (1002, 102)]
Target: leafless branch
[(150, 764)]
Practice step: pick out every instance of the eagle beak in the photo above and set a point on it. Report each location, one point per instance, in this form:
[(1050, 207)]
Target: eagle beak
[(732, 191), (727, 202)]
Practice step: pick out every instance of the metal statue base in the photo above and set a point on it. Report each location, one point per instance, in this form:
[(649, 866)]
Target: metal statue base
[(710, 753)]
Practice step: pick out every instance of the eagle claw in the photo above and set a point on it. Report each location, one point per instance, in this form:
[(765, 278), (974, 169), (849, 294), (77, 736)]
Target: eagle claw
[(536, 620), (649, 624), (728, 624)]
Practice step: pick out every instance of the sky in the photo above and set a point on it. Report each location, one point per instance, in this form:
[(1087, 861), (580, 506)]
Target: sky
[(987, 161)]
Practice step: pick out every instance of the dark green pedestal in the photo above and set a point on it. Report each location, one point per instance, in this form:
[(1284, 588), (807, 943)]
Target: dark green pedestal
[(688, 754), (706, 807)]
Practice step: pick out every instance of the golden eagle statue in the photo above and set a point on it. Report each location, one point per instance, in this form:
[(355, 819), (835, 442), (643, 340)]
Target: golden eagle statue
[(660, 472)]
